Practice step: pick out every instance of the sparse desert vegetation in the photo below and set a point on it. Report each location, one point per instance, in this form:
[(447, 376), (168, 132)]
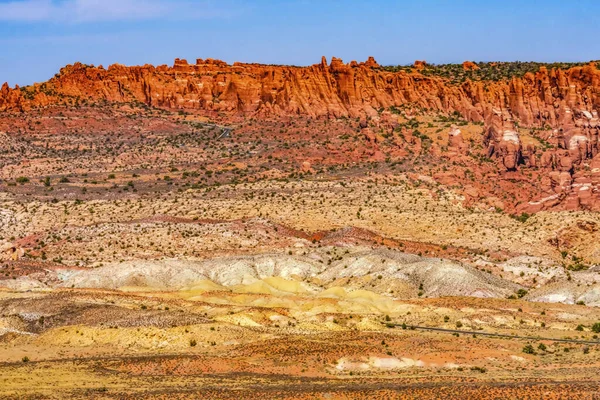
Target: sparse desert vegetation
[(156, 253)]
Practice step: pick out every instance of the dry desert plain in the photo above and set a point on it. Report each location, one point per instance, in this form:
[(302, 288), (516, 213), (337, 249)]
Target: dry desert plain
[(168, 254)]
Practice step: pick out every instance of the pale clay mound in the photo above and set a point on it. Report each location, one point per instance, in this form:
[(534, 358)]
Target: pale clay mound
[(330, 273), (373, 270), (567, 293)]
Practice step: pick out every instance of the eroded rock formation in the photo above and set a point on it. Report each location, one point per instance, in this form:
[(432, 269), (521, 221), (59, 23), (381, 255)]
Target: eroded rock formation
[(456, 142), (503, 140), (334, 89)]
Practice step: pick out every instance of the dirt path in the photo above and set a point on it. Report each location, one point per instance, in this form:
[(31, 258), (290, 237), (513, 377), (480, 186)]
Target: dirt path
[(500, 335)]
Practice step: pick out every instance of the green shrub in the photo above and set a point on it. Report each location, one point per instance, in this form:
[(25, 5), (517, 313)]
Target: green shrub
[(542, 347), (521, 293), (521, 218), (528, 349)]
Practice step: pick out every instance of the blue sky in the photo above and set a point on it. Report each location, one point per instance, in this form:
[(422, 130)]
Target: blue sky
[(37, 37)]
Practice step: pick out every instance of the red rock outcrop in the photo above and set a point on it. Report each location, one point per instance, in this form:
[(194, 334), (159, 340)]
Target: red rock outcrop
[(470, 66), (420, 64)]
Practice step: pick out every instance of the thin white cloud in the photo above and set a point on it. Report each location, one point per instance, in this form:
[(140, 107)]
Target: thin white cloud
[(28, 10), (81, 11), (93, 10)]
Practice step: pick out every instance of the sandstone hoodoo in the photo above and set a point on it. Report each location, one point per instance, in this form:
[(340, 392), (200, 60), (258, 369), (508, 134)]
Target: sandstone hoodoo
[(503, 140), (456, 143)]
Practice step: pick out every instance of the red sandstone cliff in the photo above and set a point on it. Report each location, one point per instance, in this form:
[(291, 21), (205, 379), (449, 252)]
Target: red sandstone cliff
[(334, 89)]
